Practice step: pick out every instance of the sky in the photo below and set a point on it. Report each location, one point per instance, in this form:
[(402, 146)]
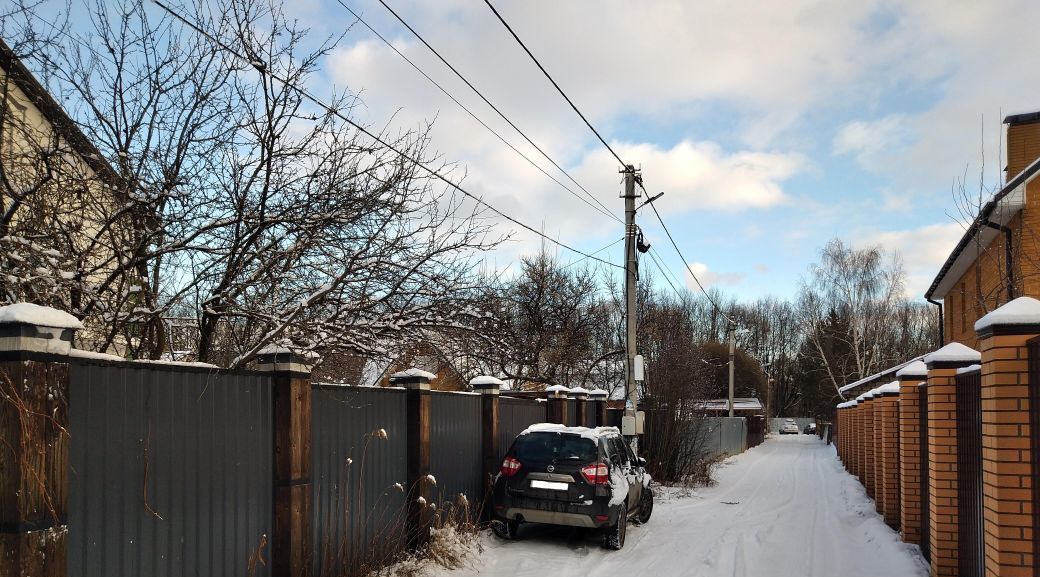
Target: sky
[(771, 127)]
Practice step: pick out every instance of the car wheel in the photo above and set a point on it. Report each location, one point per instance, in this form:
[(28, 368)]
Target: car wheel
[(506, 529), (646, 506), (615, 537)]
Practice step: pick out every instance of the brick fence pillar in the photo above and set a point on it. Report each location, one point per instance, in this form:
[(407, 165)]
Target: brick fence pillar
[(887, 406), (488, 387), (598, 399), (910, 377), (417, 408), (579, 396), (867, 476), (556, 412), (944, 536), (1010, 493), (34, 439), (291, 535), (856, 437)]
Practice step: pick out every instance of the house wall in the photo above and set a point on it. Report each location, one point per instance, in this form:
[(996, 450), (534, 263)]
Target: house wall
[(1023, 146), (982, 288)]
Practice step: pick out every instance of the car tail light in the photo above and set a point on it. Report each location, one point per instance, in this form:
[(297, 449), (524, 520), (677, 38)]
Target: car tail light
[(510, 466), (596, 474)]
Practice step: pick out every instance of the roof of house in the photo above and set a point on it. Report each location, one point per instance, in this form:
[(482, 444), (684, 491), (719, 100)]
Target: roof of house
[(1000, 209), (54, 113)]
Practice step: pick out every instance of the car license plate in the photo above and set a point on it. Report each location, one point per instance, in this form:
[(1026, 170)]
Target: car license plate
[(536, 484)]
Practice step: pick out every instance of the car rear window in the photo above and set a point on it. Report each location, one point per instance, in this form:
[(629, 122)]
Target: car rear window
[(552, 447)]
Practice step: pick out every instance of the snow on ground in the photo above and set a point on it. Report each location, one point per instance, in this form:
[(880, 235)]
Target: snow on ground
[(785, 508)]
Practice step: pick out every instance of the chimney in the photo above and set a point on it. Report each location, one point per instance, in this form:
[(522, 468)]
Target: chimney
[(1023, 142)]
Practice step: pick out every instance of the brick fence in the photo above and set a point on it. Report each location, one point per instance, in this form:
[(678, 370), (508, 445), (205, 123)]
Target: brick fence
[(880, 441)]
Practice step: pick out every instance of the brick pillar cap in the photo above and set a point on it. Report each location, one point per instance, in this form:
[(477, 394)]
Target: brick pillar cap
[(557, 392), (578, 393), (914, 369), (487, 384), (413, 378), (952, 354), (33, 328), (598, 395), (1020, 316), (285, 356)]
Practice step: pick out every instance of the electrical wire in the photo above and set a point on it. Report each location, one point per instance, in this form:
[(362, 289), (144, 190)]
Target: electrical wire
[(687, 264), (660, 266), (263, 70), (557, 86), (583, 259), (604, 208)]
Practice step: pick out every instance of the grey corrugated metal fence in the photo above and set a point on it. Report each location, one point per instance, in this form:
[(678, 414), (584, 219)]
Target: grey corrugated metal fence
[(515, 415), (724, 435), (170, 471), (455, 442), (358, 511)]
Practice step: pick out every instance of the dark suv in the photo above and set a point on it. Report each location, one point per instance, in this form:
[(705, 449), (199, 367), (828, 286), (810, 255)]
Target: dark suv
[(572, 476)]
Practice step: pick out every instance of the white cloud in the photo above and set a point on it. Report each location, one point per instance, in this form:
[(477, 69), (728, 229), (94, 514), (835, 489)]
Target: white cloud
[(923, 251), (873, 143), (709, 278)]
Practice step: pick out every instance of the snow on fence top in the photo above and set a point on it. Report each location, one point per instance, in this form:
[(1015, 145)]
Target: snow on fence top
[(33, 314), (971, 369), (888, 389), (281, 349), (486, 380), (579, 391), (953, 353), (914, 369), (597, 393), (557, 389), (1021, 311), (586, 432), (413, 374), (888, 371)]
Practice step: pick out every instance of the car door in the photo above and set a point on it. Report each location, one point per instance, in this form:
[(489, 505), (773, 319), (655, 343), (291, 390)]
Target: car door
[(634, 475)]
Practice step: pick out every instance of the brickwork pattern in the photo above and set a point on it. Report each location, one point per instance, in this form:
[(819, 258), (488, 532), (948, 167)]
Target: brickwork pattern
[(1007, 456), (910, 460), (877, 439), (942, 471), (868, 447), (888, 490)]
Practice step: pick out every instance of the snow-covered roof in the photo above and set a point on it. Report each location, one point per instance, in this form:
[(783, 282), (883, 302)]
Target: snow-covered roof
[(1021, 311), (953, 353), (413, 374), (914, 369), (586, 432), (999, 210), (888, 371), (888, 389), (486, 380), (970, 369), (34, 314), (740, 404)]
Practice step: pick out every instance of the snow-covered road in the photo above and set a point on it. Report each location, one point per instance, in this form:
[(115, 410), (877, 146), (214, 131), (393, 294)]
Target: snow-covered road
[(786, 509)]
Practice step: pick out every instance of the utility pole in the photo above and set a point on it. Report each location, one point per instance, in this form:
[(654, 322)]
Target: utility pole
[(631, 395), (732, 330)]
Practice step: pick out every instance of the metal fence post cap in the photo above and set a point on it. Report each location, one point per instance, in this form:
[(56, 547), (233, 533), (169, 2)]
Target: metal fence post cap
[(28, 327), (557, 392), (415, 379), (486, 385), (286, 358), (578, 393)]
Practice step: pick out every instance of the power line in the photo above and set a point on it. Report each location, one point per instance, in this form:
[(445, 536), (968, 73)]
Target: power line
[(601, 208), (660, 266), (687, 264), (263, 70), (583, 259), (557, 86)]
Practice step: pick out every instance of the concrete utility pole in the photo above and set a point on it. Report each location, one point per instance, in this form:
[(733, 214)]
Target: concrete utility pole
[(631, 395), (732, 330)]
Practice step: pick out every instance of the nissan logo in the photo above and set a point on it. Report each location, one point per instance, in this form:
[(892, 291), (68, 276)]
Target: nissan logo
[(550, 468)]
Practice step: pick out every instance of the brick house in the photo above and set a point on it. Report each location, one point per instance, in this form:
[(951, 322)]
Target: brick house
[(997, 259)]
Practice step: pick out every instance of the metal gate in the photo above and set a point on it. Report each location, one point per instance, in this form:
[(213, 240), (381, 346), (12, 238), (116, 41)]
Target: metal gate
[(926, 523), (969, 474)]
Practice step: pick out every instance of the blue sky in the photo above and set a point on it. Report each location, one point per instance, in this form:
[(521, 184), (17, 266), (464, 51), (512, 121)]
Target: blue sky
[(771, 126)]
